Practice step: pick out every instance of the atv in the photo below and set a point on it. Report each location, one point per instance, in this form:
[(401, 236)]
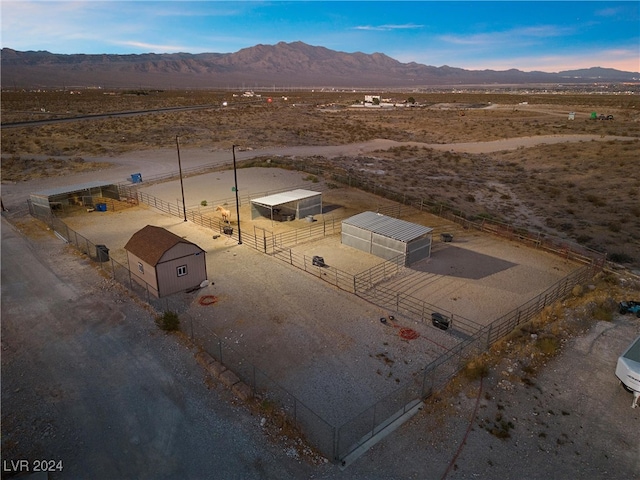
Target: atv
[(629, 307)]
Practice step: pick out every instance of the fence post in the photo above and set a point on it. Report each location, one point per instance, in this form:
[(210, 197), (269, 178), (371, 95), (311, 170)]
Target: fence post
[(254, 378), (373, 419), (295, 410)]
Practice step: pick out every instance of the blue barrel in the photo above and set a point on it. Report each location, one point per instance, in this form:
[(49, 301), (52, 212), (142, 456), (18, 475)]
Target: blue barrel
[(101, 207), (136, 178)]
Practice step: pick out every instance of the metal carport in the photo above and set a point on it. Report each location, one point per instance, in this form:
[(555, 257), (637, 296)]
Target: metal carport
[(387, 237), (297, 203), (71, 195)]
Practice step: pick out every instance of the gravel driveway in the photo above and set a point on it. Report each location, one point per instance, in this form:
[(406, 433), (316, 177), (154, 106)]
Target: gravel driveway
[(89, 380)]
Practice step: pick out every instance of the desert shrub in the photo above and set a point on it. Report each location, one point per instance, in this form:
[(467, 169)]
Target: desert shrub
[(602, 313), (168, 321), (583, 239), (203, 203), (597, 201), (548, 345), (476, 369), (620, 257)]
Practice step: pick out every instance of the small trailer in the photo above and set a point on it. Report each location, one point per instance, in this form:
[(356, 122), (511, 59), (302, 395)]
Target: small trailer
[(628, 371)]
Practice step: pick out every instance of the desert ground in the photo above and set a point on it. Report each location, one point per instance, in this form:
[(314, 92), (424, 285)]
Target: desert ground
[(477, 277), (486, 422), (579, 186)]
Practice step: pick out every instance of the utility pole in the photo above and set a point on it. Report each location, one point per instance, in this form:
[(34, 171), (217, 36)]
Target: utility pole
[(184, 207), (235, 178)]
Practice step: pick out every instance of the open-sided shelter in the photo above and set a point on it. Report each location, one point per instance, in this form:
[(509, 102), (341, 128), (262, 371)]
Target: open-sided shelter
[(289, 205), (387, 237), (164, 262), (62, 198)]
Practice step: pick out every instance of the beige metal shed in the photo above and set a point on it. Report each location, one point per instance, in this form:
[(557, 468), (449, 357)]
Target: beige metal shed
[(164, 262)]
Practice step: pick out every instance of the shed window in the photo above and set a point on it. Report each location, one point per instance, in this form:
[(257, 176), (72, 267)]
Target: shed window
[(140, 267), (182, 270)]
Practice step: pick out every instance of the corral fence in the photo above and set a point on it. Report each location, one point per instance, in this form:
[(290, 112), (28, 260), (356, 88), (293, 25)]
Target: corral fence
[(337, 442), (565, 248), (319, 432)]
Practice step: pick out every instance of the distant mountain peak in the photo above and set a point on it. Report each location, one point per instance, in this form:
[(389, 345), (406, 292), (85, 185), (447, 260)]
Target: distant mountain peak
[(294, 64)]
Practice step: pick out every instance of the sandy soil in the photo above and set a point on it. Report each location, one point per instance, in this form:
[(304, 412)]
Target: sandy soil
[(428, 444)]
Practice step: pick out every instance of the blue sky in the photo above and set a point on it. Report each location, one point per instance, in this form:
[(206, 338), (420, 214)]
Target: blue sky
[(541, 35)]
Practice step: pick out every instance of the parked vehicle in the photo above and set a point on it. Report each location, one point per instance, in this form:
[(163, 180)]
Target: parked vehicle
[(628, 371), (629, 306)]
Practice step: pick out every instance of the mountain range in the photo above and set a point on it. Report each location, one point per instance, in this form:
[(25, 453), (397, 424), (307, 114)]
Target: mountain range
[(284, 65)]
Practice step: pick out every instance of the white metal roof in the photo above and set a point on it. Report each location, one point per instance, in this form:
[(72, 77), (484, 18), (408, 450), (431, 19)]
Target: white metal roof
[(388, 226), (72, 188), (285, 197)]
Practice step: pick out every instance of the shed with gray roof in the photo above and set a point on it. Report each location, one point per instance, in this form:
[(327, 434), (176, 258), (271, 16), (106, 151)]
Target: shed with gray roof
[(387, 237)]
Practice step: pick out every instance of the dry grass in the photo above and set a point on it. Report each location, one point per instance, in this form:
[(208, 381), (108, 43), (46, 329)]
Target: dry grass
[(17, 169), (587, 192)]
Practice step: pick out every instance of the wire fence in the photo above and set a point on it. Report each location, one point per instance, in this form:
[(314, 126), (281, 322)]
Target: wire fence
[(316, 430), (336, 442)]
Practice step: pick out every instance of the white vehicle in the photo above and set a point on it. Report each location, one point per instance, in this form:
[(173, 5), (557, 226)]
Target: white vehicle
[(628, 371)]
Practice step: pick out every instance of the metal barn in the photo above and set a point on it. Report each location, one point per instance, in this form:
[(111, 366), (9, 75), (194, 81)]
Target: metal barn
[(387, 237), (67, 198), (294, 204), (164, 262)]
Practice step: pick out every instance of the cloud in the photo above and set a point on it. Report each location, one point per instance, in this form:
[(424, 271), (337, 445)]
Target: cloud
[(521, 36), (151, 47), (608, 12), (386, 28)]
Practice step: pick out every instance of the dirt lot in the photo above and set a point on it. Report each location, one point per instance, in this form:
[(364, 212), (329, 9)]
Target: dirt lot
[(534, 414), (326, 346)]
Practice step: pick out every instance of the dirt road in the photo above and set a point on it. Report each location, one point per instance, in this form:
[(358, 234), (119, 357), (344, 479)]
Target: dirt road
[(165, 161), (89, 380)]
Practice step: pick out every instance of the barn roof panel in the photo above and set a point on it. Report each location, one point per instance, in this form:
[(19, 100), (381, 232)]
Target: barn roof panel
[(151, 243), (388, 226), (285, 197), (81, 187)]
